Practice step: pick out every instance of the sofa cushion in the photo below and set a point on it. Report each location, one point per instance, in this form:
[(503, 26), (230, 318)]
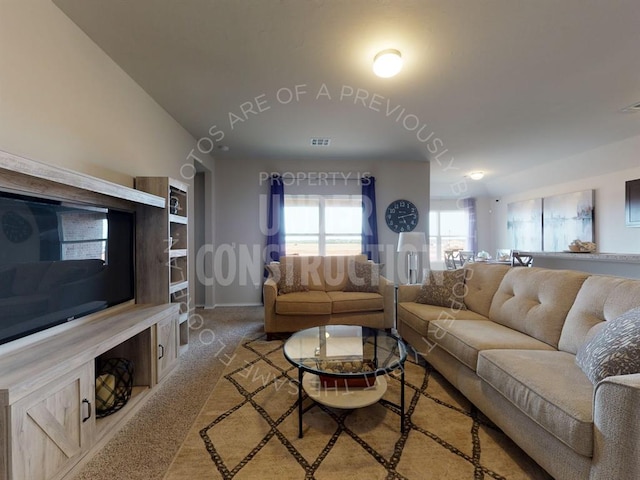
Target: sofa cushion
[(288, 276), (482, 281), (310, 268), (614, 349), (418, 315), (363, 277), (465, 339), (444, 288), (347, 302), (336, 270), (536, 301), (303, 303), (548, 387)]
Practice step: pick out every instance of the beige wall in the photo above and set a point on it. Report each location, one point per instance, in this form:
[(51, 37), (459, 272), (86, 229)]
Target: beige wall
[(612, 236), (63, 101), (238, 213)]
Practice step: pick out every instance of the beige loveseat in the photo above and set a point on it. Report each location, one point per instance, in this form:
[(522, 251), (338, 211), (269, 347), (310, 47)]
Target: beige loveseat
[(323, 298), (512, 353)]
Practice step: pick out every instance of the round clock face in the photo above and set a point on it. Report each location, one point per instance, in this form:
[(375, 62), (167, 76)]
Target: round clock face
[(15, 227), (401, 216)]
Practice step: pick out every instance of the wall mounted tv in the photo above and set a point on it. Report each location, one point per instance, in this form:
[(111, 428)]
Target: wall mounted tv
[(60, 261), (632, 203)]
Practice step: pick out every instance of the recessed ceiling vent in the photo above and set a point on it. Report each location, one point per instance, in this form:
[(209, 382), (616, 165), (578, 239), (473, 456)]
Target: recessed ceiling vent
[(320, 141), (632, 108)]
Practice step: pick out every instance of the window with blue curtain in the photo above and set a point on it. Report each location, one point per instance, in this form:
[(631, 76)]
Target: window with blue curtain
[(275, 220), (369, 219)]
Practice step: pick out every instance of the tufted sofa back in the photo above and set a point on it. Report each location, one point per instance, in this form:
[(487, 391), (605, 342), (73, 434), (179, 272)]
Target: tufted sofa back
[(318, 273), (536, 301), (600, 299), (482, 281)]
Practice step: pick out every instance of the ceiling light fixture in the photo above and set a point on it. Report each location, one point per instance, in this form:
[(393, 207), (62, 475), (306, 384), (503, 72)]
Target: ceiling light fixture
[(387, 63), (476, 175)]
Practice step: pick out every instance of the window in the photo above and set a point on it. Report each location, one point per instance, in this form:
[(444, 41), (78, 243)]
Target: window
[(448, 230), (323, 225), (83, 235)]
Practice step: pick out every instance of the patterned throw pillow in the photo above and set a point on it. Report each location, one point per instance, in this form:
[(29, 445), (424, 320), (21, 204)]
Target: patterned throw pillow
[(362, 277), (444, 288), (288, 277), (614, 350)]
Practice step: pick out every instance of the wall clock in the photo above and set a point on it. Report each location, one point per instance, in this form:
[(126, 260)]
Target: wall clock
[(401, 216), (15, 227)]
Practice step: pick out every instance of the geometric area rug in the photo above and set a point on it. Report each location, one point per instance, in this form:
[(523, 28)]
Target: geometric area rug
[(248, 429)]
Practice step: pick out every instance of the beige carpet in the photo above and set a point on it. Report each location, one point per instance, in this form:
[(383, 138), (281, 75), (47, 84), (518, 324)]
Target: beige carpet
[(248, 429)]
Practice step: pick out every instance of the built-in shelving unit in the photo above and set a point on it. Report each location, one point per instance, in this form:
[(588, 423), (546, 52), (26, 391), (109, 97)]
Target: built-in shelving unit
[(47, 390), (165, 264), (48, 426)]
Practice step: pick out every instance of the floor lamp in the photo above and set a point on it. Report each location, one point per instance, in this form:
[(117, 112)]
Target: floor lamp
[(412, 242)]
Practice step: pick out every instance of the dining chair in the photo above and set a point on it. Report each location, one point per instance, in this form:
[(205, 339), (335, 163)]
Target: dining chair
[(465, 256), (519, 259), (451, 259)]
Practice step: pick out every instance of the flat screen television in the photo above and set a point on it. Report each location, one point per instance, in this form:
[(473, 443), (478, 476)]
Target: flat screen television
[(60, 261), (632, 203)]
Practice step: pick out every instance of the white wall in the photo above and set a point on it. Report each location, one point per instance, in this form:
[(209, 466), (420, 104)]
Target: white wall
[(238, 191), (612, 236), (63, 101)]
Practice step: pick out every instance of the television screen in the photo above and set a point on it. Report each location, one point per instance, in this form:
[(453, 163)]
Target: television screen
[(60, 261), (632, 203)]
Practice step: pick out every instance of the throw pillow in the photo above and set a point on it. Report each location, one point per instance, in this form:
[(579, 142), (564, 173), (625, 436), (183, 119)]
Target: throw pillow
[(362, 277), (614, 350), (288, 277), (444, 288)]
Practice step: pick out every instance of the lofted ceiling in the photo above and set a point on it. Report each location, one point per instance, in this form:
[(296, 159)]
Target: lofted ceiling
[(498, 85)]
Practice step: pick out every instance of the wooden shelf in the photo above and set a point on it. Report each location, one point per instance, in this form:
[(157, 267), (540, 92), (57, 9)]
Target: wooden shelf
[(91, 336), (177, 286), (178, 219), (164, 273), (105, 424), (77, 180), (178, 253)]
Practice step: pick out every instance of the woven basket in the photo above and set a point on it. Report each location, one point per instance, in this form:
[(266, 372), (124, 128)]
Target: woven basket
[(114, 383)]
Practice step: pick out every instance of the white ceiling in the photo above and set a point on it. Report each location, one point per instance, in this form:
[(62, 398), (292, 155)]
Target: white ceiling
[(503, 85)]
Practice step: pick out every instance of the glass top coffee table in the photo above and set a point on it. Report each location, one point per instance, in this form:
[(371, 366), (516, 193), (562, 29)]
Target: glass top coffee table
[(344, 366)]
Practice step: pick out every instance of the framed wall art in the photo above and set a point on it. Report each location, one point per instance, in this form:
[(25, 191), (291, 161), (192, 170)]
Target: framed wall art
[(524, 224), (566, 218)]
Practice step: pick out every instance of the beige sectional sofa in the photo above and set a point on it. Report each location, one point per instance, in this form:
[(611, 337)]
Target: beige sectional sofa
[(322, 296), (512, 353)]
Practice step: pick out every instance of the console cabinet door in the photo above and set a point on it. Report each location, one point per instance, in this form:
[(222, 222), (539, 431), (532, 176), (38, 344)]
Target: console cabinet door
[(167, 348), (53, 427)]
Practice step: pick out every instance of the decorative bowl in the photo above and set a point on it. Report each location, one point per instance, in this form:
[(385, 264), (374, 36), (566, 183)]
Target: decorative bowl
[(582, 247)]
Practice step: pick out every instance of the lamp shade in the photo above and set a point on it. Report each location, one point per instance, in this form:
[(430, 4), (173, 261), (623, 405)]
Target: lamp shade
[(412, 242)]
